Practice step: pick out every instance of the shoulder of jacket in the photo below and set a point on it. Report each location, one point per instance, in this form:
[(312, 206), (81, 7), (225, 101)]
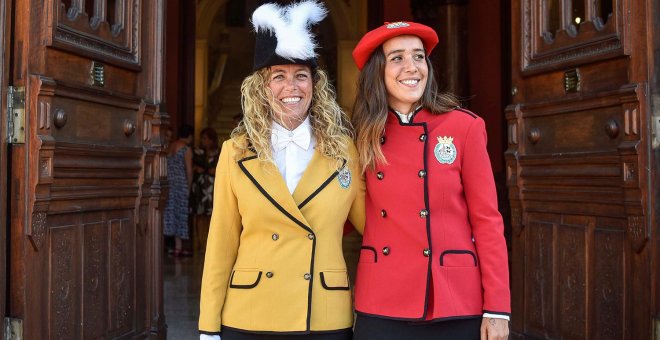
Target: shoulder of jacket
[(459, 109)]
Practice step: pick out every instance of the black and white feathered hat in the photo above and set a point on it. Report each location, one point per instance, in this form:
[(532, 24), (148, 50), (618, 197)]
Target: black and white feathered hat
[(283, 33)]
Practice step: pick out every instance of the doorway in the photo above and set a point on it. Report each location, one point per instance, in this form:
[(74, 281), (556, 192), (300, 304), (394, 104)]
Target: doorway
[(223, 58)]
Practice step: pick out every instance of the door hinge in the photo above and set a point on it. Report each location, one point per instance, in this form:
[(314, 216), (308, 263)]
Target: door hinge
[(16, 115), (655, 125), (13, 329)]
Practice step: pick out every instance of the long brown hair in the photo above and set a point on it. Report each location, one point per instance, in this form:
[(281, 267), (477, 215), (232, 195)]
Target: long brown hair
[(371, 108)]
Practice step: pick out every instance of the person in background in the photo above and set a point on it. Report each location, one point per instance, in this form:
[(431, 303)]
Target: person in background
[(433, 263), (179, 175), (285, 184), (205, 160)]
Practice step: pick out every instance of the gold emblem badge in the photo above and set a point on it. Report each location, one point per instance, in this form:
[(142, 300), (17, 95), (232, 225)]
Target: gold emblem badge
[(397, 24)]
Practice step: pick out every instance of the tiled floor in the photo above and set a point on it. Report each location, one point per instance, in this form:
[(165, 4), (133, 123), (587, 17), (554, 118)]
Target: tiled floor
[(181, 284)]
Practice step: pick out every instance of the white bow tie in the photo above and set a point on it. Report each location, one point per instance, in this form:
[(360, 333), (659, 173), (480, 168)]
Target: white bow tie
[(280, 139)]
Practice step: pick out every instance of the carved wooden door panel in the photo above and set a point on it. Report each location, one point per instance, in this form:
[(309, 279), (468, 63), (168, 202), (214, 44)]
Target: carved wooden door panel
[(86, 191), (578, 169)]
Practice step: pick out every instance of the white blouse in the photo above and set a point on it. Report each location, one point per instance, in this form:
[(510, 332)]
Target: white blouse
[(292, 151)]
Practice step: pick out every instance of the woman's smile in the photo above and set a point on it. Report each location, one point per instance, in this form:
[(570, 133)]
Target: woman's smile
[(292, 86), (406, 72)]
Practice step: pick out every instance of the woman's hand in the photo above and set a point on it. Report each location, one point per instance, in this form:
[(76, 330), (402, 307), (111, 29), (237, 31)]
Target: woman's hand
[(494, 329)]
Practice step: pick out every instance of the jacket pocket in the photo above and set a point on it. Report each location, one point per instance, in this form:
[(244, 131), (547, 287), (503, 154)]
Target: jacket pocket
[(244, 279), (368, 254), (458, 258), (335, 280)]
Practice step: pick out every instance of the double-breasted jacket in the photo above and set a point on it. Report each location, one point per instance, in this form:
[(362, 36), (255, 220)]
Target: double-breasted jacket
[(274, 260), (433, 243)]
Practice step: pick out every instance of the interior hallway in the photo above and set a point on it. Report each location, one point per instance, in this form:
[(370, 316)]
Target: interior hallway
[(182, 278)]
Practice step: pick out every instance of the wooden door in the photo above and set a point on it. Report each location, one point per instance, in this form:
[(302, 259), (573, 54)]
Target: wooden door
[(87, 184), (4, 68), (578, 169)]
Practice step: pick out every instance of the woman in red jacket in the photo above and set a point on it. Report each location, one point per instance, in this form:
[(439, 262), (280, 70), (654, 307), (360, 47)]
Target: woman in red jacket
[(433, 262)]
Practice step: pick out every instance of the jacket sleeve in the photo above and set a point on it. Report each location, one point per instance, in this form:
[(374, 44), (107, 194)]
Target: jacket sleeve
[(357, 213), (485, 220), (222, 245)]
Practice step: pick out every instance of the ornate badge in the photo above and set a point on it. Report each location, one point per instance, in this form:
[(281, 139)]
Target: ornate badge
[(445, 151), (397, 24), (344, 177)]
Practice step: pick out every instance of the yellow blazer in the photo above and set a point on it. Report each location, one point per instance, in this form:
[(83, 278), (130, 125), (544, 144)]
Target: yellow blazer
[(274, 260)]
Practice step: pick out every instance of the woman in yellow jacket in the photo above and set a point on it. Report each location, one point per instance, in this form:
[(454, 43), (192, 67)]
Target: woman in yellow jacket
[(285, 184)]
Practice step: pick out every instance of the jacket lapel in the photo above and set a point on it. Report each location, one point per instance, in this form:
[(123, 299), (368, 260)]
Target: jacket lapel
[(319, 174), (267, 178)]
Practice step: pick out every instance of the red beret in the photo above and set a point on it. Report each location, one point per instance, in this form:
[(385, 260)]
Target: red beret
[(376, 37)]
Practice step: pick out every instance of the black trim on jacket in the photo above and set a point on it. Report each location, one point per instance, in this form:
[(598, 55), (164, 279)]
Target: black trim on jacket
[(325, 184), (287, 333), (474, 115), (423, 320), (210, 333), (426, 202), (250, 286), (457, 251), (268, 196), (299, 223), (372, 249), (332, 288)]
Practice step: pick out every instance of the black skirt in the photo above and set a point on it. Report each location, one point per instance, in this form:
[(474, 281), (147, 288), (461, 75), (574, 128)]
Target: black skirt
[(368, 328), (231, 334)]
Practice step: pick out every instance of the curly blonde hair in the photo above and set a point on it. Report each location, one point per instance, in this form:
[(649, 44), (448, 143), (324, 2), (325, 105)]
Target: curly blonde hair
[(330, 125)]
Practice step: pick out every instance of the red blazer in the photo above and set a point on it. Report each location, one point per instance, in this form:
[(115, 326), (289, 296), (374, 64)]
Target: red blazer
[(433, 243)]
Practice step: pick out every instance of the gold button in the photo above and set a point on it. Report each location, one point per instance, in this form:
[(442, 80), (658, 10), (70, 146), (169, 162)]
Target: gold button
[(424, 213), (269, 274), (386, 251), (276, 237), (307, 276)]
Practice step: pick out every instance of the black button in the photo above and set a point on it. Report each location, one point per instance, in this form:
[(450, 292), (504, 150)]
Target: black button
[(383, 213), (269, 275), (422, 137), (423, 213), (382, 140), (276, 237), (427, 252), (380, 175), (386, 251), (421, 173)]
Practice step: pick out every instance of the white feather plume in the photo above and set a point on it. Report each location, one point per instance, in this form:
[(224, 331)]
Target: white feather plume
[(291, 27), (267, 17)]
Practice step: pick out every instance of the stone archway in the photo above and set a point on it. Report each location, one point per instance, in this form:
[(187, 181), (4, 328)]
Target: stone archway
[(348, 19), (206, 13)]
